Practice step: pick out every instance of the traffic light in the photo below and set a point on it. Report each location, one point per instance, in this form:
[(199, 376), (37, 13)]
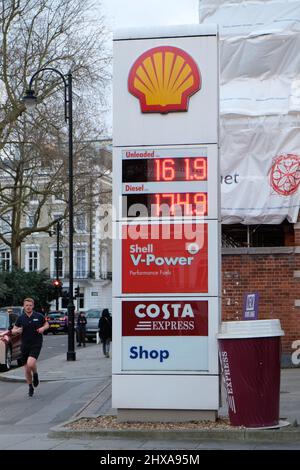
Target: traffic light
[(57, 283), (65, 299), (77, 291)]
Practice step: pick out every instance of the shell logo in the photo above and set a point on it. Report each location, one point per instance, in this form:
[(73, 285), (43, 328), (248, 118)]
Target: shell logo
[(163, 79)]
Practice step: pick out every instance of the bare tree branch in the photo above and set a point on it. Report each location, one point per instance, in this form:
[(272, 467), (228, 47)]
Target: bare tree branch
[(33, 151)]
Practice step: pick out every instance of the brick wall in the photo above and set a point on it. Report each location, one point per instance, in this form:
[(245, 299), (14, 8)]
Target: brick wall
[(274, 276)]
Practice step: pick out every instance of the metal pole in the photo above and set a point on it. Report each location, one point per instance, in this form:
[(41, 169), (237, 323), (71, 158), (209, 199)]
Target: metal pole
[(71, 355), (57, 263), (29, 96), (248, 236)]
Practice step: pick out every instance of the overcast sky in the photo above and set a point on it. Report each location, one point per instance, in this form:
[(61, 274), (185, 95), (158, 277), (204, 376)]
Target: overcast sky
[(127, 13), (135, 13)]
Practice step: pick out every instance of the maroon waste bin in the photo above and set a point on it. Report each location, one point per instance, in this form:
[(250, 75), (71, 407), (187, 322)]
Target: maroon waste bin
[(250, 362)]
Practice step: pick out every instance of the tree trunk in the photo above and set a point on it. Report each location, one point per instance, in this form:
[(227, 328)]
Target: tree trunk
[(15, 252)]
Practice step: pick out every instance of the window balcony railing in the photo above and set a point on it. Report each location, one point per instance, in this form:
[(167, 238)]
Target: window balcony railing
[(107, 275), (78, 274), (52, 274)]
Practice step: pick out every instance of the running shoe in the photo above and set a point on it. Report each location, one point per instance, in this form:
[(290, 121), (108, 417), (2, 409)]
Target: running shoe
[(35, 379)]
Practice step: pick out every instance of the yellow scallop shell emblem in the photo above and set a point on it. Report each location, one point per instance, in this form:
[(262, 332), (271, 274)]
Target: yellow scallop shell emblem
[(163, 79)]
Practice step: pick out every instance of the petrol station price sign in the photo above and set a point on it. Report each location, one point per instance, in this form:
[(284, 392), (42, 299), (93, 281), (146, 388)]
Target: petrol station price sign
[(166, 195), (165, 169), (168, 182)]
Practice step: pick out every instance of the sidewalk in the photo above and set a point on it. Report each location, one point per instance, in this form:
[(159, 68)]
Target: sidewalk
[(85, 367), (90, 364)]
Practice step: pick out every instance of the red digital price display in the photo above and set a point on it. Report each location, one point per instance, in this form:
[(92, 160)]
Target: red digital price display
[(165, 204), (164, 170)]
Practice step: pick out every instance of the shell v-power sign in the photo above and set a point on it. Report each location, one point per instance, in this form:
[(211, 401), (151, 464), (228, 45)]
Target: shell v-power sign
[(166, 258)]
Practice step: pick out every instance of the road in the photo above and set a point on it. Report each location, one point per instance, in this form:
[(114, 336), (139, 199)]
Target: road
[(55, 344), (25, 422), (23, 419)]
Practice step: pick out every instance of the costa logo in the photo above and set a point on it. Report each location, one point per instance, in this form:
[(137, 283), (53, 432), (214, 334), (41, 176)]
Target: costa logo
[(166, 311), (165, 318), (163, 79), (285, 174)]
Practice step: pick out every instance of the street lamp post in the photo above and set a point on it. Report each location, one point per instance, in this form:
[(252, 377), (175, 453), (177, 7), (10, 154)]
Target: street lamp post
[(30, 100), (57, 262)]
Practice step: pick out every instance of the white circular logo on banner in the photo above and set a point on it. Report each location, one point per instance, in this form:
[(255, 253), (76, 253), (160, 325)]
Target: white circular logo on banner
[(193, 248)]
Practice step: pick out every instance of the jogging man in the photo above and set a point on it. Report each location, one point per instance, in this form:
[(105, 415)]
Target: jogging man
[(32, 326)]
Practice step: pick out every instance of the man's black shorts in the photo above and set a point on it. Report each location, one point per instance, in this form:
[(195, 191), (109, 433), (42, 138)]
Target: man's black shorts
[(32, 351)]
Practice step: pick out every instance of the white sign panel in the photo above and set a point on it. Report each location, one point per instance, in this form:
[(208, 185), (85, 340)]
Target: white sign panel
[(153, 78), (166, 262), (164, 353), (166, 334)]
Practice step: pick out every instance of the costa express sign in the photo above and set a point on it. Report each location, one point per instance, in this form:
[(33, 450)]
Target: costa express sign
[(164, 258), (165, 318)]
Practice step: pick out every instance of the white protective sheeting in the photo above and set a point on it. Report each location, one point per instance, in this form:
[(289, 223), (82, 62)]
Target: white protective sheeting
[(257, 186), (251, 17), (259, 108)]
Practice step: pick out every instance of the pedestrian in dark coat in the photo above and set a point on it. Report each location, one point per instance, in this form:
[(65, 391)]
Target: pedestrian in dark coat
[(105, 327), (81, 327)]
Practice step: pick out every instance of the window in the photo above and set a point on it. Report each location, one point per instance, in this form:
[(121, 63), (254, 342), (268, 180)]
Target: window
[(5, 223), (33, 199), (239, 235), (58, 197), (58, 263), (32, 260), (30, 220), (53, 261), (4, 261), (81, 260), (104, 262), (80, 301), (58, 216), (80, 223)]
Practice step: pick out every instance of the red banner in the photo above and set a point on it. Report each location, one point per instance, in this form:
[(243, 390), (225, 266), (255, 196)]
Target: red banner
[(165, 258)]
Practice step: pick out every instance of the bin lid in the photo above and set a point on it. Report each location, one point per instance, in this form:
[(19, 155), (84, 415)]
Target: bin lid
[(250, 329)]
